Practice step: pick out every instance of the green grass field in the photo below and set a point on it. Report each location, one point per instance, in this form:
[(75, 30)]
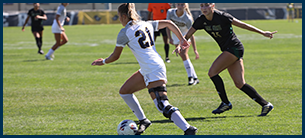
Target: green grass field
[(68, 96)]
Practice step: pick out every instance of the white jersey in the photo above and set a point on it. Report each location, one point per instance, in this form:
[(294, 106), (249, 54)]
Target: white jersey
[(183, 22), (139, 36), (61, 10)]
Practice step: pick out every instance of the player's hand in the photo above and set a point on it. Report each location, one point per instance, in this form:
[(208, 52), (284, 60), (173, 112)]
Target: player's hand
[(67, 19), (184, 44), (197, 54), (269, 34), (62, 29), (22, 29), (97, 62)]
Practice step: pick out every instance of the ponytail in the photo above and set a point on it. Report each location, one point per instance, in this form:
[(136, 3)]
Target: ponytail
[(129, 10), (187, 9)]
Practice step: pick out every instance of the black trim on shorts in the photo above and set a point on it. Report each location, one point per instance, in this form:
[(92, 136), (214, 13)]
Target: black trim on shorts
[(239, 53), (163, 31)]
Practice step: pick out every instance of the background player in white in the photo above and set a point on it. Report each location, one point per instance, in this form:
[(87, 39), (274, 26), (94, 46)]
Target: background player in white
[(182, 17), (58, 30), (138, 36)]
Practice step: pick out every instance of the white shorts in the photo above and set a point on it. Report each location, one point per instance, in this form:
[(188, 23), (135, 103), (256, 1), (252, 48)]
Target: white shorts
[(156, 75), (56, 29), (176, 40)]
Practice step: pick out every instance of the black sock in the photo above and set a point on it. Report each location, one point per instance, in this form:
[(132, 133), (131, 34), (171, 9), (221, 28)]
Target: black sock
[(166, 48), (38, 42), (251, 92), (220, 88)]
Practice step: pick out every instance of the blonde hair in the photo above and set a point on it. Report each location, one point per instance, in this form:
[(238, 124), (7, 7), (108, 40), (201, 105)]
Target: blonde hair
[(187, 9), (129, 10)]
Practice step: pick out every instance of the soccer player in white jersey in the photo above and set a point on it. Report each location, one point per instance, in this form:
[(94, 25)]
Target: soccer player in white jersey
[(58, 30), (139, 37), (182, 17)]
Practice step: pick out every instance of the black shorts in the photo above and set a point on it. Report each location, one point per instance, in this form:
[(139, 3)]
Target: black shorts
[(163, 31), (37, 28), (238, 52)]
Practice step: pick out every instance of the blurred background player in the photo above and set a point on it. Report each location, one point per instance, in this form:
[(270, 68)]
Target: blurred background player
[(58, 30), (182, 17), (290, 9), (218, 24), (158, 11), (137, 35), (37, 16)]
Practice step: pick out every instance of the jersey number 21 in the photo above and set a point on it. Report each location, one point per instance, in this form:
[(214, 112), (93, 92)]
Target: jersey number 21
[(142, 39)]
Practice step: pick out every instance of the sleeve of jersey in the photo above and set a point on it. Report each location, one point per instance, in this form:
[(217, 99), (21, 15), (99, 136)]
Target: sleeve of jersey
[(149, 7), (59, 10), (168, 14), (198, 24), (229, 17), (155, 25), (122, 39)]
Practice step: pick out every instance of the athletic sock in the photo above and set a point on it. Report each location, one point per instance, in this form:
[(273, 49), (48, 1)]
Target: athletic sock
[(38, 42), (51, 51), (252, 93), (187, 65), (220, 88), (176, 116), (166, 48), (133, 103)]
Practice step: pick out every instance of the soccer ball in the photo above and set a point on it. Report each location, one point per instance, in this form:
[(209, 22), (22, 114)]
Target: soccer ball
[(127, 127)]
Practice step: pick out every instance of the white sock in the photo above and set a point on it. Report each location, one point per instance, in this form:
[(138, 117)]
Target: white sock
[(133, 103), (176, 117), (189, 68), (51, 51)]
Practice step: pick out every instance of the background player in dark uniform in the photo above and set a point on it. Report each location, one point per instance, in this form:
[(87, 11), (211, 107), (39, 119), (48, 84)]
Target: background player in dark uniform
[(37, 16), (219, 25)]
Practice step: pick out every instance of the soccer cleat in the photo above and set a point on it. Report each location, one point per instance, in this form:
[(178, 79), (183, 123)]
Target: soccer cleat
[(167, 60), (40, 52), (48, 58), (196, 81), (222, 108), (191, 80), (143, 125), (191, 131), (266, 109)]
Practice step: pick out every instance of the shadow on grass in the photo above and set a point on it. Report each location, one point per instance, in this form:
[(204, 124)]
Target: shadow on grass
[(176, 85), (119, 63), (202, 118), (34, 60)]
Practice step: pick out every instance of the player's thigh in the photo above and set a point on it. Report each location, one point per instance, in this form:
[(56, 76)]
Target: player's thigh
[(64, 37), (133, 84), (236, 71), (223, 61)]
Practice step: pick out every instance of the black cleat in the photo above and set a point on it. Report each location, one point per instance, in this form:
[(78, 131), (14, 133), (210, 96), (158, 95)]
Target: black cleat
[(40, 52), (143, 125), (167, 60), (222, 108), (191, 80), (266, 109), (191, 131)]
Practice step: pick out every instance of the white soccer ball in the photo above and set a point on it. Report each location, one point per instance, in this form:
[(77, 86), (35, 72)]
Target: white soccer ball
[(127, 127)]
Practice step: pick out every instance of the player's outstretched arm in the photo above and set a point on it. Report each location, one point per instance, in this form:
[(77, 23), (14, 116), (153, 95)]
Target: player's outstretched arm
[(113, 57), (249, 27)]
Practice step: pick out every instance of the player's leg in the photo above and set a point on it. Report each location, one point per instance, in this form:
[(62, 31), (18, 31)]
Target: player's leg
[(37, 39), (64, 39), (192, 76), (236, 71), (221, 63), (134, 84), (49, 55), (158, 93), (166, 45)]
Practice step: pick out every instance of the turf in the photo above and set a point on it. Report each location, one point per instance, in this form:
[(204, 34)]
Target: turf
[(68, 96)]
